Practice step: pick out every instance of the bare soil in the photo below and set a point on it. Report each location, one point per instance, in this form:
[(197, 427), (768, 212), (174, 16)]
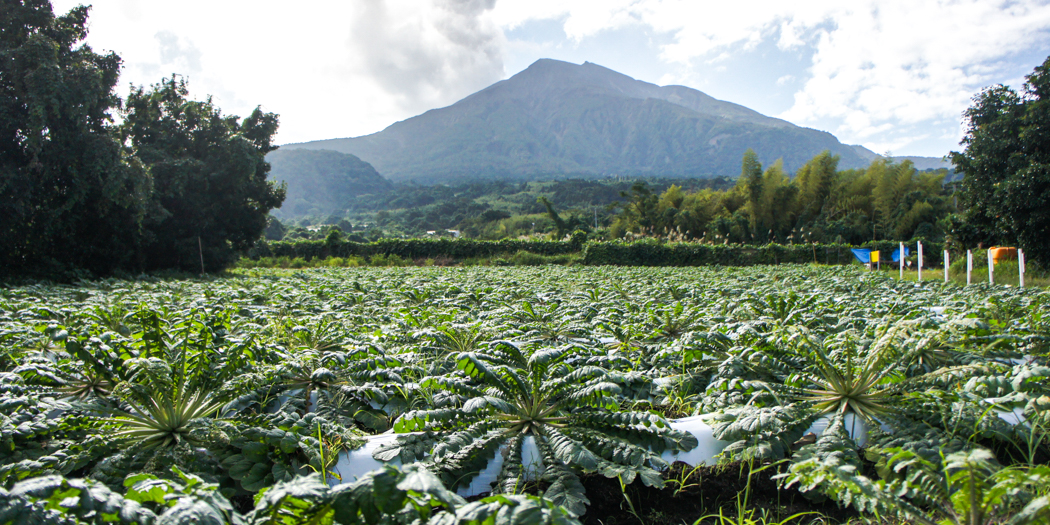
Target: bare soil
[(707, 491)]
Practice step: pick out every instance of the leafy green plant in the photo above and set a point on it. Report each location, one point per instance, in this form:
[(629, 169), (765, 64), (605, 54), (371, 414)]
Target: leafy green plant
[(761, 433), (410, 494), (165, 420), (86, 384), (509, 394), (41, 434), (54, 499), (280, 446), (161, 412), (849, 387), (184, 499), (962, 488), (456, 339)]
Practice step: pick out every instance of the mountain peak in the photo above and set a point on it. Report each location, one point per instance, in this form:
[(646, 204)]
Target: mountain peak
[(556, 118)]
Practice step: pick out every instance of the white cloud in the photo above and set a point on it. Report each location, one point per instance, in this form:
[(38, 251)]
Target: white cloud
[(428, 55), (887, 66), (182, 55), (877, 65), (875, 71), (330, 69)]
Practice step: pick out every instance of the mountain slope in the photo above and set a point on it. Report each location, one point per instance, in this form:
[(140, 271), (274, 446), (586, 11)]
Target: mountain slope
[(558, 119), (920, 163), (320, 181)]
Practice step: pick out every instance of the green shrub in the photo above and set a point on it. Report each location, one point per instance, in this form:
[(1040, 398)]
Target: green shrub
[(510, 252), (387, 260), (650, 252)]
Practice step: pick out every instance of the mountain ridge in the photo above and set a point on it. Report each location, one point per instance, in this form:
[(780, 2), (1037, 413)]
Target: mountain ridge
[(320, 181), (556, 119)]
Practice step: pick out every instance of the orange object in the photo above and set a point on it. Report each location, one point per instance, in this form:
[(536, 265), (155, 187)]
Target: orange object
[(1003, 253)]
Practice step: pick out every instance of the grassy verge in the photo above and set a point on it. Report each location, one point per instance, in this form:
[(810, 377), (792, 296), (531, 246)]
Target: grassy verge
[(1006, 274)]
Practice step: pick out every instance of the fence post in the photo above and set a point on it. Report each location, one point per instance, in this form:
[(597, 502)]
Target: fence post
[(969, 265), (901, 259), (946, 266), (1020, 266), (991, 267), (920, 262)]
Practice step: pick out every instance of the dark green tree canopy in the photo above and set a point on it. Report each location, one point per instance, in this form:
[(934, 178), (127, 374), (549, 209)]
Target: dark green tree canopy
[(176, 182), (67, 197), (1005, 194), (210, 194)]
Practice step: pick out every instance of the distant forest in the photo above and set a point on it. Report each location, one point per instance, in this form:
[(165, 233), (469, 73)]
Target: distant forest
[(820, 203)]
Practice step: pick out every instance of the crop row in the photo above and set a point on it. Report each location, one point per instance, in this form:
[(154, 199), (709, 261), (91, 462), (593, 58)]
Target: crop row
[(206, 393)]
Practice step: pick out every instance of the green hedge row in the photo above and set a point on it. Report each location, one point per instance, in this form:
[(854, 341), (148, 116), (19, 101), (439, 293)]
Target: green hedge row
[(651, 253), (646, 252), (412, 248)]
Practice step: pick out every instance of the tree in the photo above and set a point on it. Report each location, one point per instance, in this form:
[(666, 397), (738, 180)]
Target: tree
[(751, 178), (1005, 192), (561, 227), (211, 197), (778, 203), (275, 230), (641, 206), (68, 198), (814, 181)]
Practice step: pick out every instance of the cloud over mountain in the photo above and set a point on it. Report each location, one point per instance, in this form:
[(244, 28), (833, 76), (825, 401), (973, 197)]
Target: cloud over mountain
[(428, 54), (891, 74)]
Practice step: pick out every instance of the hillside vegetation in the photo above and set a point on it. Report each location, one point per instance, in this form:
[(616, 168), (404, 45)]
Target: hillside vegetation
[(821, 204), (321, 182)]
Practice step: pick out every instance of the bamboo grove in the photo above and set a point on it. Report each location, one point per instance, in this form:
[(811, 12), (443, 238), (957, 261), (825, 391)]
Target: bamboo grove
[(885, 201)]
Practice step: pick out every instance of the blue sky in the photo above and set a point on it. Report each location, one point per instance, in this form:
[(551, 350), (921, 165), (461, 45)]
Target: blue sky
[(894, 76)]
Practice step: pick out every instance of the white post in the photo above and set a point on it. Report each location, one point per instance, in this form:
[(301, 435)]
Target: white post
[(969, 265), (901, 259), (945, 266), (920, 262), (1020, 266), (991, 267)]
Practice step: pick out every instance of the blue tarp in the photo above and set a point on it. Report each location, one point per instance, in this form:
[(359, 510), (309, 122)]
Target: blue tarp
[(862, 254), (897, 253)]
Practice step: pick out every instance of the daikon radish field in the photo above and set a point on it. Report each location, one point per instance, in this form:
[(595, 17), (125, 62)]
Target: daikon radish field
[(525, 395)]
